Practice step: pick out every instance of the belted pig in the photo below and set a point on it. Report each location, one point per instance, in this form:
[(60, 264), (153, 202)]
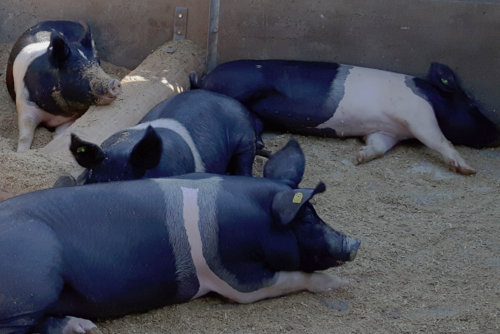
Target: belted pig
[(54, 76), (329, 99), (111, 249), (194, 131)]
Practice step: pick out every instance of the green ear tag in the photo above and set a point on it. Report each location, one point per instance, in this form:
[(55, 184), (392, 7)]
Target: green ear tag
[(297, 198), (444, 81), (80, 150)]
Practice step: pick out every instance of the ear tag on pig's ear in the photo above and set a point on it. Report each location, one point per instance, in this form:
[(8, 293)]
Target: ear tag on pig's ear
[(80, 149), (286, 204), (297, 198)]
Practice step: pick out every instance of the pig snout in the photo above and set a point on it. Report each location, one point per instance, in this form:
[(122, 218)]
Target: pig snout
[(344, 248), (114, 87), (108, 92), (104, 89), (350, 248)]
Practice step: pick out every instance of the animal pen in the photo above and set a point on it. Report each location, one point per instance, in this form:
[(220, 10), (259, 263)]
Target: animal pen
[(430, 254)]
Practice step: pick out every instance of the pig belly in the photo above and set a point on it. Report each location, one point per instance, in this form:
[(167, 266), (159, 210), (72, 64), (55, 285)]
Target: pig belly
[(52, 121), (375, 101), (39, 116), (358, 122)]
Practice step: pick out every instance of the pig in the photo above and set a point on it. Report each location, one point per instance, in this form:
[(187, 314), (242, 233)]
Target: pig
[(71, 255), (54, 76), (336, 100), (194, 131)]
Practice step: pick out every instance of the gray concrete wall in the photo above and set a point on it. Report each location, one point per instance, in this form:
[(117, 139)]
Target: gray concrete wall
[(126, 32), (397, 35)]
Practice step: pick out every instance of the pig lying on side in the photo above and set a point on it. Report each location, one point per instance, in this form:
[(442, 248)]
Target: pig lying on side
[(329, 99), (111, 249), (195, 131), (54, 76)]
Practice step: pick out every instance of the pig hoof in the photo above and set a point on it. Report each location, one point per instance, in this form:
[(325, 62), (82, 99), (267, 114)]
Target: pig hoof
[(366, 154), (463, 169), (358, 159), (21, 146), (64, 181), (80, 326), (466, 170), (321, 282), (263, 153)]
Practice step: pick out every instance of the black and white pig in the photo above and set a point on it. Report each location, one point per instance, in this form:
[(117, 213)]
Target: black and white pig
[(329, 99), (54, 76), (111, 249), (194, 131)]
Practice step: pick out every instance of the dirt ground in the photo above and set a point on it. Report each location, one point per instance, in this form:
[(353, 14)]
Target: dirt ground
[(430, 254)]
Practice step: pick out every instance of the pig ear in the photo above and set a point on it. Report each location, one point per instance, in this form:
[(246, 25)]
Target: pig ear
[(58, 51), (286, 204), (86, 39), (147, 153), (443, 77), (86, 154), (287, 164)]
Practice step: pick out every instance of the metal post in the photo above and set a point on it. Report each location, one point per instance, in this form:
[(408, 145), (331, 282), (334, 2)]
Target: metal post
[(213, 34)]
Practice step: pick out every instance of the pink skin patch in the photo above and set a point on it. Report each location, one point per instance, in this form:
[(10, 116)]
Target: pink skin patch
[(380, 107)]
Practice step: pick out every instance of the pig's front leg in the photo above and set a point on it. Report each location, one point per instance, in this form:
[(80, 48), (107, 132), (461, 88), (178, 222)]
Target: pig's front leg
[(28, 120), (289, 281), (376, 145), (68, 325)]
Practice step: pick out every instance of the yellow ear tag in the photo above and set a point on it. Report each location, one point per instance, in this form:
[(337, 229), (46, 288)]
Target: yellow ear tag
[(297, 198)]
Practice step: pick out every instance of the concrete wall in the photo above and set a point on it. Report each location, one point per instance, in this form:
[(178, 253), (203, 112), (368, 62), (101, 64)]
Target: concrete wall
[(126, 32), (397, 35)]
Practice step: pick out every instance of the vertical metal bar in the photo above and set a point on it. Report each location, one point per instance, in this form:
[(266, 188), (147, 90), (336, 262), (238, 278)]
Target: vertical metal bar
[(213, 34)]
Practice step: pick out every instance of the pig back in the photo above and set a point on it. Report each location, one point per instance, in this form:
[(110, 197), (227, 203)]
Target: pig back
[(218, 125)]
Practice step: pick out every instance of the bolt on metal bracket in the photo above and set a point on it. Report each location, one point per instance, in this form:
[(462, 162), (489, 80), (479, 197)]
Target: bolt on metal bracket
[(180, 23)]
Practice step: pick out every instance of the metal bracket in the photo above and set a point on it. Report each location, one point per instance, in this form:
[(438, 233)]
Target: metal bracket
[(180, 23)]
